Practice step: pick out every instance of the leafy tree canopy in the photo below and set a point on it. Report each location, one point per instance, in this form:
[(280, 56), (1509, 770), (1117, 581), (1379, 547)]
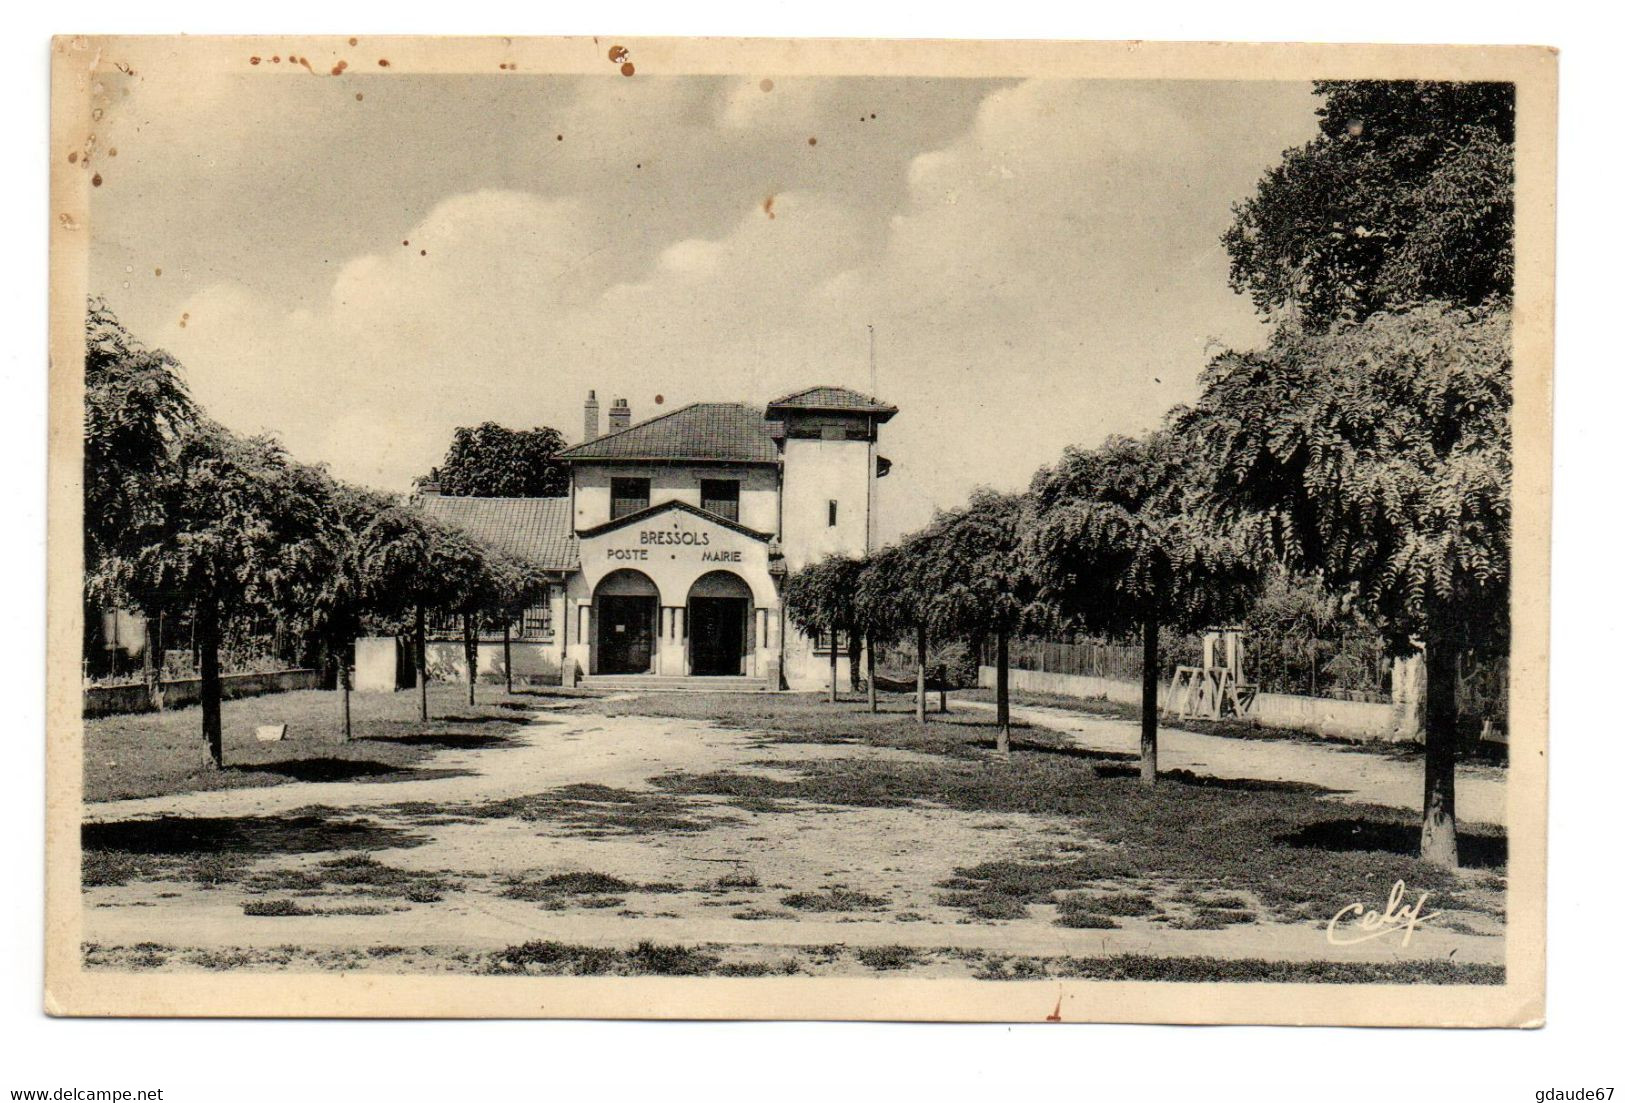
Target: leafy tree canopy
[(820, 597), (490, 461), (136, 410), (1405, 195), (1380, 455), (1120, 540), (977, 569)]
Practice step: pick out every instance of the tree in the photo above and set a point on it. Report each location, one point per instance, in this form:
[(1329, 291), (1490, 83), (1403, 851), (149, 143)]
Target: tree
[(399, 565), (137, 408), (490, 461), (1405, 195), (239, 532), (350, 567), (1380, 455), (819, 598), (893, 600), (1121, 547), (505, 588), (980, 582)]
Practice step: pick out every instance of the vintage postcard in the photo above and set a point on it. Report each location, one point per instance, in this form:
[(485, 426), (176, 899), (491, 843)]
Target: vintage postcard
[(621, 528)]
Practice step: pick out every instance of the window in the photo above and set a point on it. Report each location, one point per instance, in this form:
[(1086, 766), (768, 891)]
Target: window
[(821, 642), (720, 496), (832, 508), (537, 623), (627, 496)]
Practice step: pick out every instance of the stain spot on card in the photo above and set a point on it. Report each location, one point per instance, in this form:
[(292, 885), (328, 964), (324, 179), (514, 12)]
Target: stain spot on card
[(767, 84), (383, 63), (254, 60), (767, 207), (628, 69), (96, 181)]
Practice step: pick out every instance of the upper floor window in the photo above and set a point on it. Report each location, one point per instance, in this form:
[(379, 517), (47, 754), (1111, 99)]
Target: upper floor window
[(720, 496), (627, 496)]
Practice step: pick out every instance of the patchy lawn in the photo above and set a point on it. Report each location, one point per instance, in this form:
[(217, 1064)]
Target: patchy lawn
[(792, 838), (1270, 849), (153, 754)]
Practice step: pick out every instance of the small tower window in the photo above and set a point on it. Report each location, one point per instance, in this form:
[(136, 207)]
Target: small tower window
[(832, 509)]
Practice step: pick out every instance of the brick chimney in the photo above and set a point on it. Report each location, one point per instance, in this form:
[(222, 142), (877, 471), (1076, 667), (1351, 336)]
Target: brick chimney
[(620, 416), (589, 418)]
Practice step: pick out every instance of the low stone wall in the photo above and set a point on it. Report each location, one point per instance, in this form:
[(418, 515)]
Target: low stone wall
[(1366, 721), (532, 662), (107, 700)]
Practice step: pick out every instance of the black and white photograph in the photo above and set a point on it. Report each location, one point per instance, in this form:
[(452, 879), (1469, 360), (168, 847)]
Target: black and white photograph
[(665, 528)]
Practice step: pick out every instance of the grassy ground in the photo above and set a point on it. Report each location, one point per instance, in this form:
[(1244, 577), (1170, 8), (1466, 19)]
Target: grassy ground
[(1194, 852), (152, 754), (552, 958)]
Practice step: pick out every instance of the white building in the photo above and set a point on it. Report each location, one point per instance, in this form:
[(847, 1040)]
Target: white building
[(676, 536)]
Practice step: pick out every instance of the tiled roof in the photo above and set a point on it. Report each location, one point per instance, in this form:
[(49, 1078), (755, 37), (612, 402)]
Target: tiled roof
[(720, 432), (535, 529), (831, 398)]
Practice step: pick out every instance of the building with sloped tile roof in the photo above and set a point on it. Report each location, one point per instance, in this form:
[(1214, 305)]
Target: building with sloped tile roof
[(677, 533)]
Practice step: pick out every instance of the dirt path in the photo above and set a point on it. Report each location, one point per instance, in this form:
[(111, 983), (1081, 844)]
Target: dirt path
[(728, 880), (1352, 774)]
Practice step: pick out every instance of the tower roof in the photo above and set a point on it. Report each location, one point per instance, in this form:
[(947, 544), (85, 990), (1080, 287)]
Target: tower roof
[(827, 398)]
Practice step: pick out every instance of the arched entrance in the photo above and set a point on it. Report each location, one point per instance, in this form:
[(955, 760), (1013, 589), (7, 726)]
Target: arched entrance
[(719, 605), (625, 609)]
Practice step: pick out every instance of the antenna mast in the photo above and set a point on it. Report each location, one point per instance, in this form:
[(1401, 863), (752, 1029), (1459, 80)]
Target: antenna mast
[(872, 387)]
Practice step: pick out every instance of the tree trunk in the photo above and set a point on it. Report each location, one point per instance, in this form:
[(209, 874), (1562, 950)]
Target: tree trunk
[(919, 677), (1439, 768), (152, 662), (854, 660), (942, 687), (344, 684), (507, 655), (869, 666), (1148, 706), (208, 632), (834, 663), (1002, 692), (420, 662), (471, 653)]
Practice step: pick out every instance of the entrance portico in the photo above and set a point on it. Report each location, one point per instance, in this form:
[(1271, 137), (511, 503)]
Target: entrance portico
[(675, 591)]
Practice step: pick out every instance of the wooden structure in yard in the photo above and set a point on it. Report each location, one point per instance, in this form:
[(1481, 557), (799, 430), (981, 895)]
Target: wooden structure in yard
[(1217, 688)]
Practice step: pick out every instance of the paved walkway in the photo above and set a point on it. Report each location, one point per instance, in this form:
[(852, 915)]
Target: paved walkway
[(1352, 774)]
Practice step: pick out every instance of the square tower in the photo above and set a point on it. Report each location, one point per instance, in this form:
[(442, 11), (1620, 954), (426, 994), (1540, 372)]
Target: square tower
[(828, 438)]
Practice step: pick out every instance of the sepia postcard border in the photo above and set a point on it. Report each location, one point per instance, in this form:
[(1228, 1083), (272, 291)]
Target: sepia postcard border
[(72, 990)]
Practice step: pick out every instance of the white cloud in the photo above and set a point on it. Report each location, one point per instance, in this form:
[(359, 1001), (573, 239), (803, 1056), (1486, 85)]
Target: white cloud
[(1051, 275)]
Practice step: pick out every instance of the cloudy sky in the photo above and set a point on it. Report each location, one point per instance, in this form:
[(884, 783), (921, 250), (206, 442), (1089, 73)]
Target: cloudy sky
[(360, 265)]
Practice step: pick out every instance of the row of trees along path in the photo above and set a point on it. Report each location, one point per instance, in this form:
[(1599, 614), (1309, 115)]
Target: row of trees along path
[(183, 516), (1367, 445)]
